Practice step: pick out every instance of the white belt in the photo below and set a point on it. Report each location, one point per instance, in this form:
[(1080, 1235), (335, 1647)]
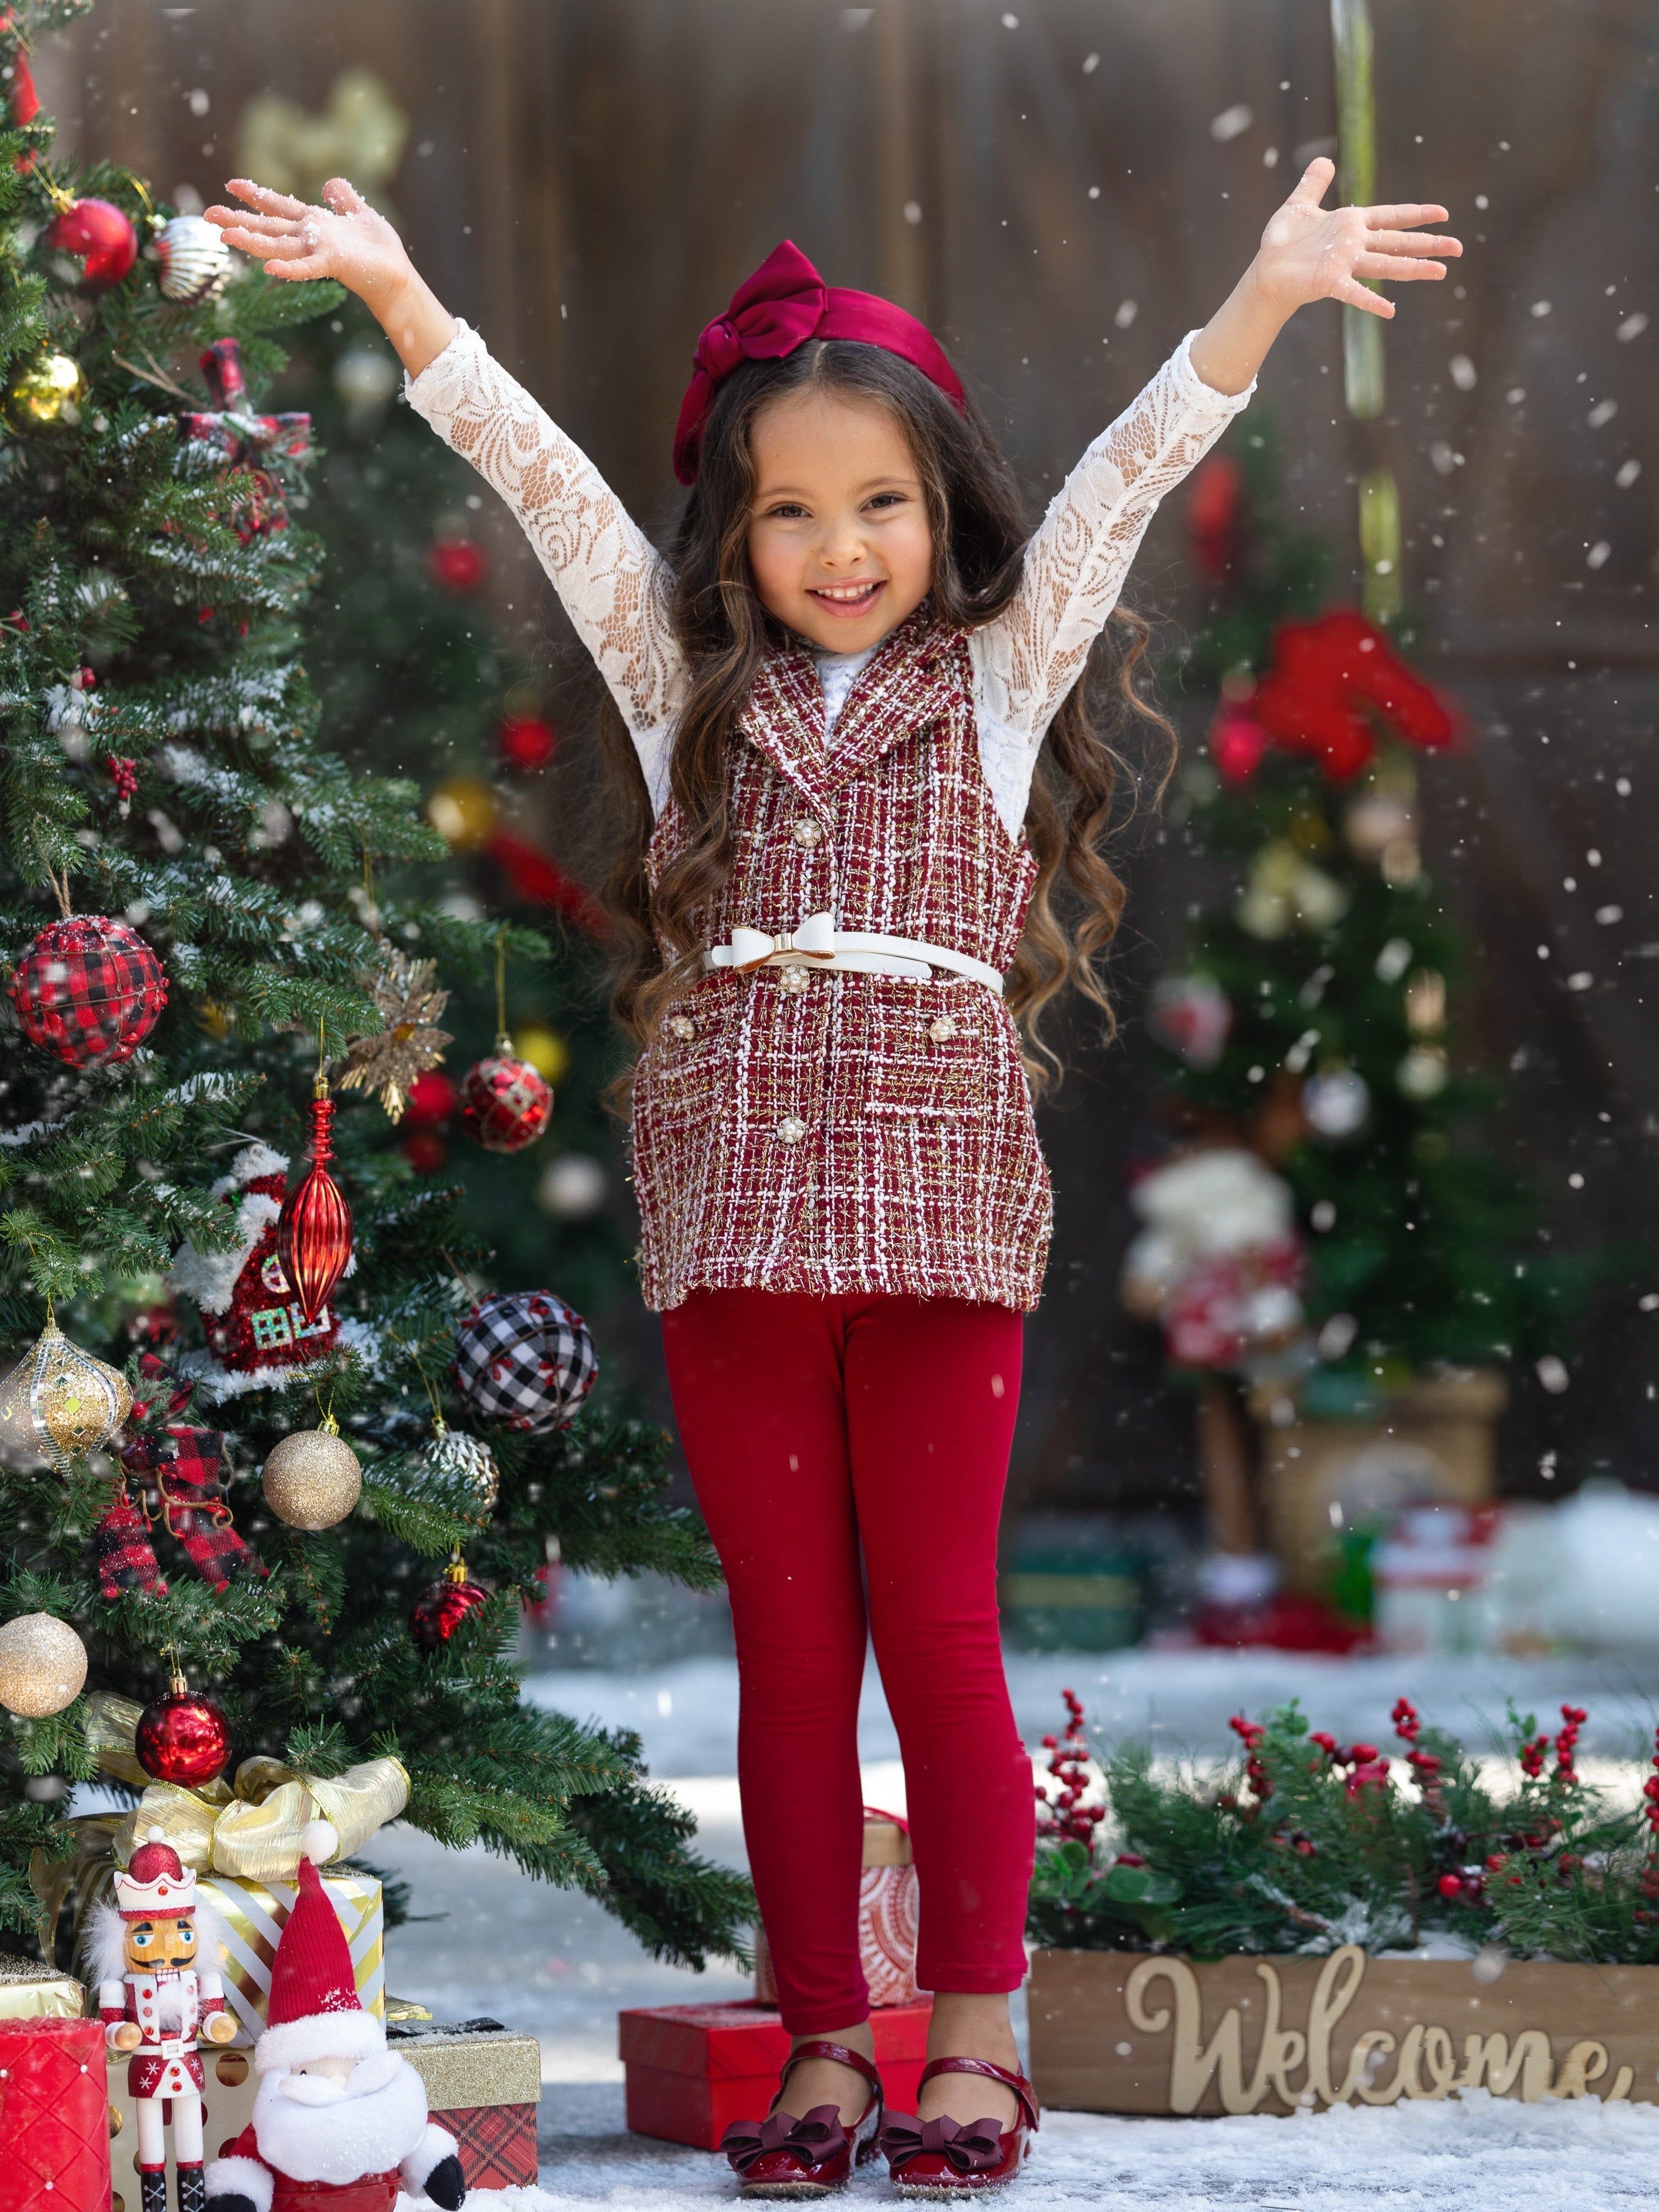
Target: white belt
[(819, 944), (174, 2047)]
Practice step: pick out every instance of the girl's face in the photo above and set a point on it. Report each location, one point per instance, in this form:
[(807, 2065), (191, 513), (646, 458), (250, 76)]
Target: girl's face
[(840, 545)]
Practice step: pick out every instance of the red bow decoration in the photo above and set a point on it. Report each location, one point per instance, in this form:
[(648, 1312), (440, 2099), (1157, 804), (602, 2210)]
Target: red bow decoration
[(966, 2145), (247, 440), (812, 2139), (783, 305), (1332, 680), (184, 1465)]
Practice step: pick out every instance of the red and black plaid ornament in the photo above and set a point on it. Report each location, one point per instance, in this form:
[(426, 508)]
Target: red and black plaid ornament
[(314, 1230), (88, 989), (185, 1468), (505, 1103)]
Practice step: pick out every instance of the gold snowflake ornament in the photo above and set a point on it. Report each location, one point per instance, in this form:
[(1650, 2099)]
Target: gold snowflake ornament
[(409, 1041)]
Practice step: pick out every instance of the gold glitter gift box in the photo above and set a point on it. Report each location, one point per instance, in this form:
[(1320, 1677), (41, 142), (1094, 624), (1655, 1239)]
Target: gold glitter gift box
[(483, 2083)]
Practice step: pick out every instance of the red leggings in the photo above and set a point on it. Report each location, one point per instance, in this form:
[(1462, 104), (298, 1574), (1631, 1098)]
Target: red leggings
[(815, 1426)]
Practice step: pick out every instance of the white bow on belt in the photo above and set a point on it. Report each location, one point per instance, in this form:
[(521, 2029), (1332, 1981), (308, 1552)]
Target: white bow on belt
[(872, 951), (753, 948)]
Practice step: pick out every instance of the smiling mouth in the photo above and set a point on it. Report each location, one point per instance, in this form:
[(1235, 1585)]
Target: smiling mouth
[(847, 600)]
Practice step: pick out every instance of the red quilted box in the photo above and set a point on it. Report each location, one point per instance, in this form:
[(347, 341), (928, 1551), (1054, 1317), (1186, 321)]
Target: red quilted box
[(692, 2070), (54, 2116)]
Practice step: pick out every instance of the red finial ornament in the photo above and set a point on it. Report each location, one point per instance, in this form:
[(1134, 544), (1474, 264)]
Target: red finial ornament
[(314, 1230)]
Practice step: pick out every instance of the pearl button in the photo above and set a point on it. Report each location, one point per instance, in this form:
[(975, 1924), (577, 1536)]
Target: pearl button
[(793, 980), (806, 832), (682, 1027), (791, 1129), (943, 1030)]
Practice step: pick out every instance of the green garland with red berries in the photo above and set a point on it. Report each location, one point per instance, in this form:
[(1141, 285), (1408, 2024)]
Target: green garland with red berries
[(1307, 1844)]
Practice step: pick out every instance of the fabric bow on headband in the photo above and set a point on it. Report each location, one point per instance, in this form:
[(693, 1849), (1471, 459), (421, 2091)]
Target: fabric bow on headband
[(783, 305)]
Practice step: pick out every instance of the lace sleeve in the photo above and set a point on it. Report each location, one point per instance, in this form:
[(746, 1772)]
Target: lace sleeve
[(1029, 658), (612, 581)]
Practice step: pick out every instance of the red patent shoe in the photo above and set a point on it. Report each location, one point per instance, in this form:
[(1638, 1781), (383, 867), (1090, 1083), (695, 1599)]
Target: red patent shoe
[(780, 2156), (958, 2158)]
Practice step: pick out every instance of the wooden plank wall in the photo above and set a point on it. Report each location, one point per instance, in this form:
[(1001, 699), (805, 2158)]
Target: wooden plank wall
[(587, 179)]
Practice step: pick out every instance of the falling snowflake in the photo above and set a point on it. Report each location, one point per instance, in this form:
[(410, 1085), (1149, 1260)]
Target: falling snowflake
[(409, 1041)]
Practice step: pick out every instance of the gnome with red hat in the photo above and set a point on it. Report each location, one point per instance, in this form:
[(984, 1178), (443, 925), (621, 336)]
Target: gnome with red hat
[(153, 1998), (339, 2122)]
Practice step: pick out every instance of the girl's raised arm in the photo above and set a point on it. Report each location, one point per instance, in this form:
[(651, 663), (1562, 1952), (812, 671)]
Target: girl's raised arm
[(1029, 658), (612, 581)]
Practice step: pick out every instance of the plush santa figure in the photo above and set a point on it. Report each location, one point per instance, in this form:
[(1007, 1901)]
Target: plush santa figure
[(339, 2122), (154, 1999)]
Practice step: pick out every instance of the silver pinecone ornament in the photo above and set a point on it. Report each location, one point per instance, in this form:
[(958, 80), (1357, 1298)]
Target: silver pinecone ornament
[(196, 263), (452, 1457)]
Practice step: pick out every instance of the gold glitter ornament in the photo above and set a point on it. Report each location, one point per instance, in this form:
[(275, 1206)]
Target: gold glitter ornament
[(453, 1457), (43, 1664), (312, 1479), (46, 394), (59, 1403), (409, 1041)]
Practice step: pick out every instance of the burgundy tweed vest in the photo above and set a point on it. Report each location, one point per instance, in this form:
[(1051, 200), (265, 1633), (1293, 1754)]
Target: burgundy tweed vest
[(831, 1132)]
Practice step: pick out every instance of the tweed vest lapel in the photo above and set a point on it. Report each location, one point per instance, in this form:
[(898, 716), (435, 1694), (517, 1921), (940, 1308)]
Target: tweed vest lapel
[(911, 683)]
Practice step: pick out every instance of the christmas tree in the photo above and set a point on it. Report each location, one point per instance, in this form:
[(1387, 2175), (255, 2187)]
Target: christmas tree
[(415, 679), (218, 936), (1311, 1019)]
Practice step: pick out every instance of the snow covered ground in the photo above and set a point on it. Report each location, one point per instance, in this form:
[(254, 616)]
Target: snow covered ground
[(559, 1966)]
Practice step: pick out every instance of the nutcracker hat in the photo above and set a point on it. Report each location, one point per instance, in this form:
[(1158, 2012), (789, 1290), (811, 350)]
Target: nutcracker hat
[(314, 2011), (155, 1881)]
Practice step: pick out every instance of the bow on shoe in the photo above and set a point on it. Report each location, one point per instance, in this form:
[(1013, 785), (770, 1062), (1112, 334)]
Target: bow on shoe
[(753, 948), (967, 2146), (812, 2139)]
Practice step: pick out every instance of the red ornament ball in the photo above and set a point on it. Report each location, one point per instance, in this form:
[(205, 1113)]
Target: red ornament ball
[(506, 1104), (90, 990), (183, 1738), (432, 1099), (100, 237), (526, 742), (443, 1604), (458, 564), (425, 1150)]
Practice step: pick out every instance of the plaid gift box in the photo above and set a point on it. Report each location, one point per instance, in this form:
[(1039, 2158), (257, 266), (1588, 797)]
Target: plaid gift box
[(88, 989), (525, 1359), (483, 2083)]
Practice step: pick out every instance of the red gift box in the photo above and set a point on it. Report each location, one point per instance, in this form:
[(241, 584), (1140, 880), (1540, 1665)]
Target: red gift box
[(54, 2116), (496, 2143), (692, 2070)]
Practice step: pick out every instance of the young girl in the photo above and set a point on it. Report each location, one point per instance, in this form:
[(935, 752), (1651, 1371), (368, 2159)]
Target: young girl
[(836, 687)]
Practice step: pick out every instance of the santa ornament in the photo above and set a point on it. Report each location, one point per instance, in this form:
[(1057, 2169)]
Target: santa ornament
[(256, 1323), (340, 2123), (155, 2000)]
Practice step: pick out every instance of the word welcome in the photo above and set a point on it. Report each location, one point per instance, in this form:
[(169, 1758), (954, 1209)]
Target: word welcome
[(1427, 2063)]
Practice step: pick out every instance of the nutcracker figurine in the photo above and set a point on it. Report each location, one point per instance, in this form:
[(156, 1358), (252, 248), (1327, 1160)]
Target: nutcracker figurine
[(153, 1999)]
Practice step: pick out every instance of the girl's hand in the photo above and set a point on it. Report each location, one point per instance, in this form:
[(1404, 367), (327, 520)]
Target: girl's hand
[(1309, 252), (346, 240)]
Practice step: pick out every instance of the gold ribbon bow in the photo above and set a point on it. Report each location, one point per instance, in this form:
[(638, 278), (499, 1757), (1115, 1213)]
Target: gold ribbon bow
[(253, 1829)]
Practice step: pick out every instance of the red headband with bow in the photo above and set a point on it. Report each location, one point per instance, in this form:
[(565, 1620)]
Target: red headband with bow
[(781, 307)]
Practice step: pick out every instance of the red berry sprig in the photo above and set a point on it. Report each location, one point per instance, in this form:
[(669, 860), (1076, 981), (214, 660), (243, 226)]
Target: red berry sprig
[(1067, 1818), (1566, 1774), (124, 774), (1249, 1733)]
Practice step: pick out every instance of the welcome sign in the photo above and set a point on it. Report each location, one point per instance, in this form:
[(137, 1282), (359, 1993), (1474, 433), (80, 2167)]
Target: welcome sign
[(1129, 2032)]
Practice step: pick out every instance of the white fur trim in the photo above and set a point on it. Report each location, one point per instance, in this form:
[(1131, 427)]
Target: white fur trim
[(241, 2177), (210, 1278), (434, 2147), (252, 1164), (345, 2137), (319, 2035), (103, 1958)]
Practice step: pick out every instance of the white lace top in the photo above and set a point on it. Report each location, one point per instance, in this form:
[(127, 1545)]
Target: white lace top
[(614, 583)]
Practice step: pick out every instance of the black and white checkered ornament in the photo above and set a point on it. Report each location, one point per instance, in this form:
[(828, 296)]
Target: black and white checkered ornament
[(525, 1359)]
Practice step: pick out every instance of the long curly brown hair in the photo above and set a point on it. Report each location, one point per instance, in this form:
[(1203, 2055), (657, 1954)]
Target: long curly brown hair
[(979, 531)]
